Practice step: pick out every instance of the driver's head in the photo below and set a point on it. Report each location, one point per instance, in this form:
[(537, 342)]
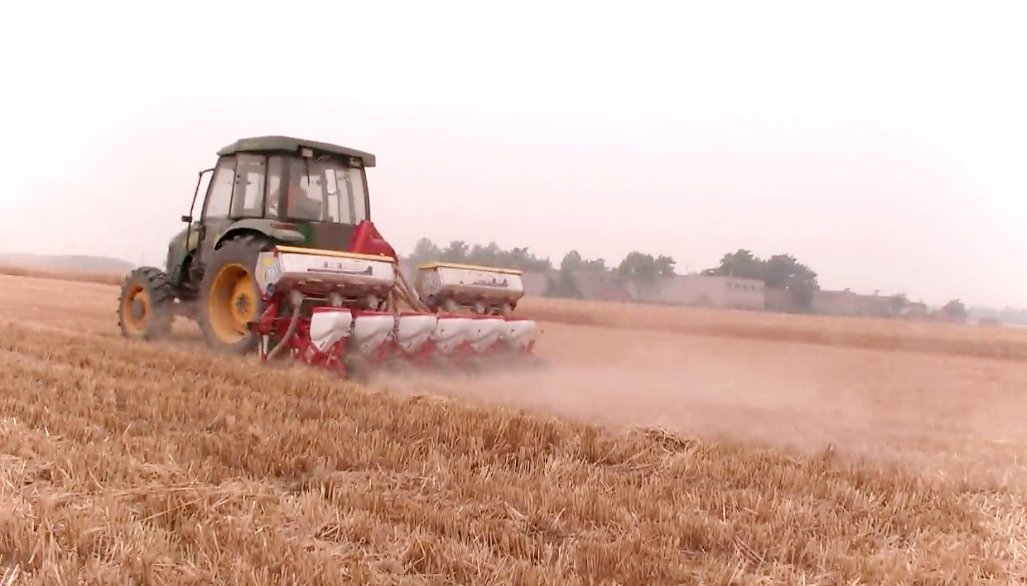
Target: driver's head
[(302, 206)]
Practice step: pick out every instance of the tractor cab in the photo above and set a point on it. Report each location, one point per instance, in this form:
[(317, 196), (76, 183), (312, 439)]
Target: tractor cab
[(316, 189), (325, 197), (293, 191)]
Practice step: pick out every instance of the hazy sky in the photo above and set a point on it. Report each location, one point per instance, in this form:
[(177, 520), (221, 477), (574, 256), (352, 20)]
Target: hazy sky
[(881, 143)]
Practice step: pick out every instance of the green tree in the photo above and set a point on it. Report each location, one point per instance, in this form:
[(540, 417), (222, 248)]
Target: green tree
[(572, 261), (955, 310), (741, 263), (491, 254), (783, 271), (780, 271), (665, 266), (425, 251), (639, 266), (563, 284), (523, 259), (899, 303), (457, 251)]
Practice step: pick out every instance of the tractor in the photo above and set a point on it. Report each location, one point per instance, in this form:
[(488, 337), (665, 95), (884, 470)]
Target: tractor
[(284, 248)]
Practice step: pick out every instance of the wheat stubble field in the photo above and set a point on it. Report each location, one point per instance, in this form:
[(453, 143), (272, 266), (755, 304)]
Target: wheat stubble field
[(661, 446)]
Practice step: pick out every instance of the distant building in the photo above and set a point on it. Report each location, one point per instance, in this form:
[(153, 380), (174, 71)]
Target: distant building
[(916, 310), (836, 302), (705, 291), (876, 305), (600, 285), (849, 303)]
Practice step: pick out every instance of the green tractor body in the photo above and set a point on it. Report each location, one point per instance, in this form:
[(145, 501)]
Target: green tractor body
[(261, 192)]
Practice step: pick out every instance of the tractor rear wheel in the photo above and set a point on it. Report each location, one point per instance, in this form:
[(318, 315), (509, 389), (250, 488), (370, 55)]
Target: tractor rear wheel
[(145, 308), (229, 298)]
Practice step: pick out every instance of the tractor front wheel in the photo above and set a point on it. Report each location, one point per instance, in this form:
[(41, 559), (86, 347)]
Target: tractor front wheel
[(145, 308), (229, 298)]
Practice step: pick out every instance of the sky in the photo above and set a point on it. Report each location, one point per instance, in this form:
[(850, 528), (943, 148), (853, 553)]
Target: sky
[(883, 144)]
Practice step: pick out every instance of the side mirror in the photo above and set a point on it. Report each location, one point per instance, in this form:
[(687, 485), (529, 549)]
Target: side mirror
[(187, 219)]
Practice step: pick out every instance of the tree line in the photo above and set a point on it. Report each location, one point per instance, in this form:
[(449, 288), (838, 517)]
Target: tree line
[(784, 271), (636, 265), (778, 271), (491, 255)]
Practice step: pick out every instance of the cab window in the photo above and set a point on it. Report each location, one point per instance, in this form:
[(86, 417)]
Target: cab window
[(248, 195), (219, 192)]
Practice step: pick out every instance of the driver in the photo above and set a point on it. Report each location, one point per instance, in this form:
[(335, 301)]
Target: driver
[(299, 205)]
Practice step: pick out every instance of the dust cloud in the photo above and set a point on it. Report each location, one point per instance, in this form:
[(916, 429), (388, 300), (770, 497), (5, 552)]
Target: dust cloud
[(684, 383), (945, 413)]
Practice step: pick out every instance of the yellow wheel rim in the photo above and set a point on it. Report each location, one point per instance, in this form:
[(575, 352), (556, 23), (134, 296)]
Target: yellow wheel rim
[(232, 303), (135, 309)]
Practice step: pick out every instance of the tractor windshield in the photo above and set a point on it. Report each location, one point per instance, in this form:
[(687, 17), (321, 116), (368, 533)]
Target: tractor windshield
[(326, 190)]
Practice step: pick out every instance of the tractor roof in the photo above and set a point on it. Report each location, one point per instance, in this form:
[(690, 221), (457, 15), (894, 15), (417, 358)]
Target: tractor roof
[(285, 143)]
